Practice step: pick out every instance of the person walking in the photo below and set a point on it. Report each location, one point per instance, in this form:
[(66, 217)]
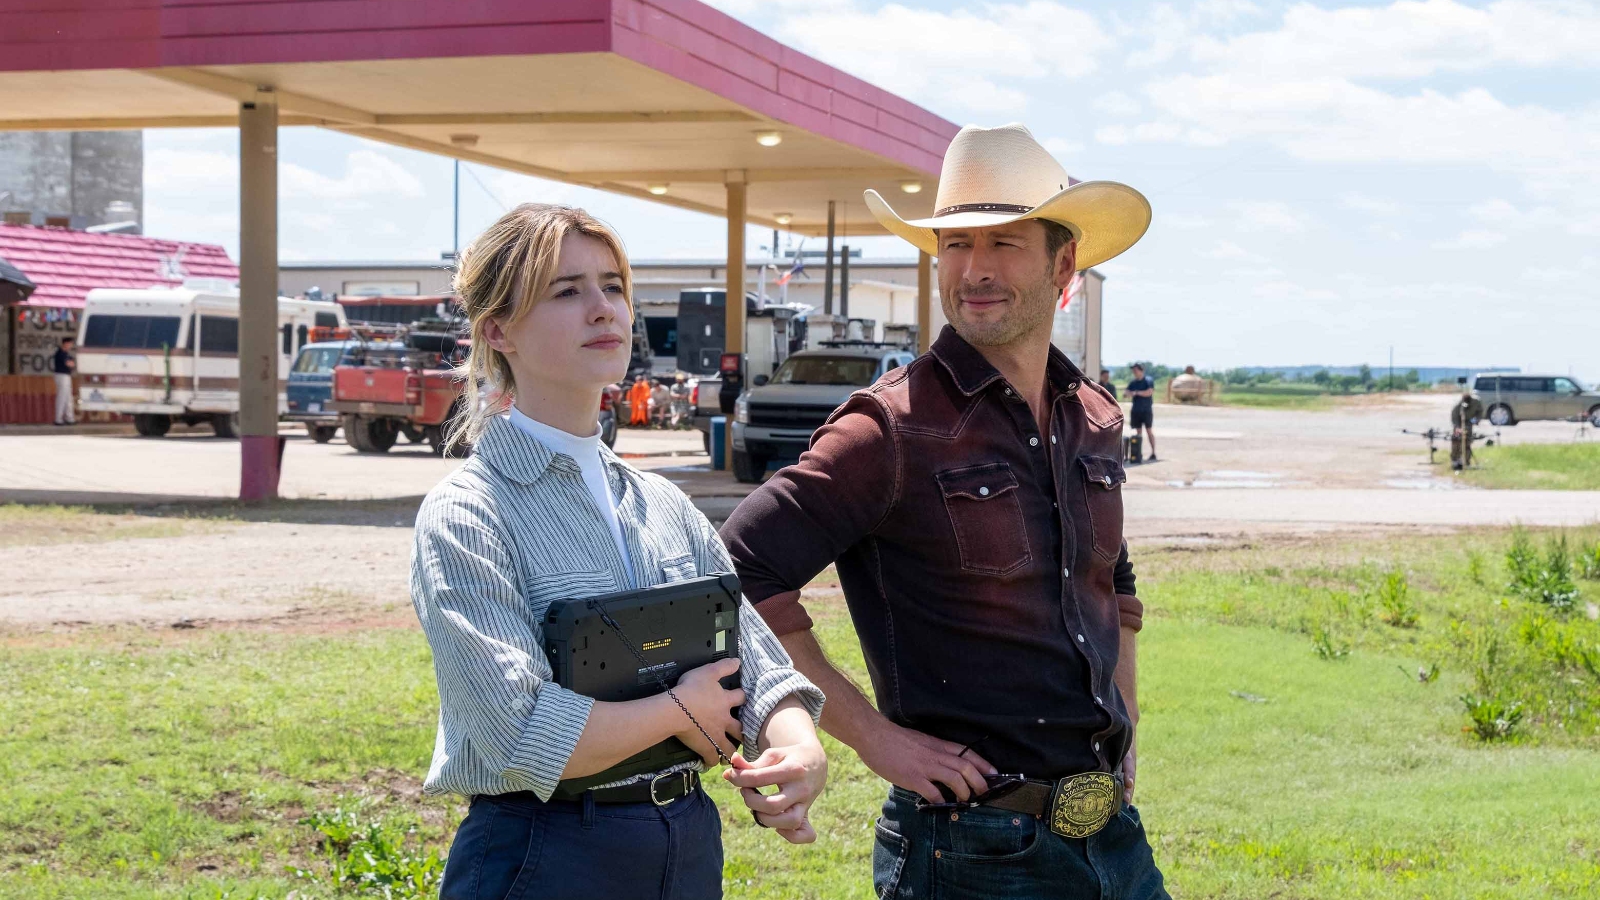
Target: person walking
[(971, 502), (62, 364), (680, 400), (542, 510), (1142, 391)]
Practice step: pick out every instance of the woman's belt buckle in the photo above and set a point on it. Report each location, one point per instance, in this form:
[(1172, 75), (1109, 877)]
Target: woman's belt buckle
[(1082, 804), (687, 777)]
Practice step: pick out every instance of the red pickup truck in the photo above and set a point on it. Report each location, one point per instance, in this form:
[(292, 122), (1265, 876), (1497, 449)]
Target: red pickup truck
[(399, 387)]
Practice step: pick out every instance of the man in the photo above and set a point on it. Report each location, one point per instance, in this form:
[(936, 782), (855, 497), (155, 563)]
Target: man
[(1143, 393), (1462, 417), (639, 402), (62, 365), (1105, 383), (972, 503), (680, 400)]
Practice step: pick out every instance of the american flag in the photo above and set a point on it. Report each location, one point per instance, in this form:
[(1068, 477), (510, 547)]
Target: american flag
[(798, 267)]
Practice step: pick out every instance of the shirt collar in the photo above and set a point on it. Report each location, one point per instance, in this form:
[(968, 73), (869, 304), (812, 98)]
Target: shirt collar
[(972, 373), (523, 458)]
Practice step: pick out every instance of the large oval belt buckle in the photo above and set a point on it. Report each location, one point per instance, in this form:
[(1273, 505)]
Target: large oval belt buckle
[(1083, 804)]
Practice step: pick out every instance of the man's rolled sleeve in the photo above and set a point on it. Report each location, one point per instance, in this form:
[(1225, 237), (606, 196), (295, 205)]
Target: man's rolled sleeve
[(806, 515), (1130, 609), (498, 703), (766, 672)]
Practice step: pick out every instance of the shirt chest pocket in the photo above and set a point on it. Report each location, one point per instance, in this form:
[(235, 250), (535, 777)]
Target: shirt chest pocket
[(986, 515), (541, 588), (1103, 478), (678, 568)]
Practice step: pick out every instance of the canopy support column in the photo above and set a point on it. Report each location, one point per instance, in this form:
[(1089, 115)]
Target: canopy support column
[(733, 305), (924, 302), (260, 449)]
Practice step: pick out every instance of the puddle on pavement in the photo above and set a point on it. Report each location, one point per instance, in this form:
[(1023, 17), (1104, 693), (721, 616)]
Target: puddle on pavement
[(1234, 478)]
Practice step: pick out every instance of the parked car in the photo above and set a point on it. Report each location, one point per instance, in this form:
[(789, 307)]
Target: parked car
[(774, 420), (310, 387), (1509, 399)]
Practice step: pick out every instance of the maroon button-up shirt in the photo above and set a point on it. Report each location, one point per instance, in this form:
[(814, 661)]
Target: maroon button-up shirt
[(982, 560)]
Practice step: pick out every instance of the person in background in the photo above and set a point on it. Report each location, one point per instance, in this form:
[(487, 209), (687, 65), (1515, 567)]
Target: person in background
[(1105, 382), (680, 400), (661, 405), (639, 402), (62, 365), (1143, 392), (1463, 416)]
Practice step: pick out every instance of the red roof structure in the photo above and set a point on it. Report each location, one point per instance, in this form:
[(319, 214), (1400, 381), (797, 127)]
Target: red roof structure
[(66, 265)]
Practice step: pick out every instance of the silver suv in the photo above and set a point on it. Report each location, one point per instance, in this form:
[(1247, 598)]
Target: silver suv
[(773, 421), (1509, 399)]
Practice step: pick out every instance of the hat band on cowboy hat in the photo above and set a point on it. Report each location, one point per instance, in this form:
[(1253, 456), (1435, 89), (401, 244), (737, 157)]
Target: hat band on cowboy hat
[(995, 176)]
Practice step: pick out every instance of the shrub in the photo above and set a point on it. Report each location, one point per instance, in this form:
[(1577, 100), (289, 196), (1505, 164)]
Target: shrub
[(1547, 581), (1327, 647), (1589, 562), (1492, 720), (1394, 598), (371, 859)]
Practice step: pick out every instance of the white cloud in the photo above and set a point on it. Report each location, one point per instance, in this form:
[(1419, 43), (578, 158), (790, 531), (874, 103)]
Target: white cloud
[(1228, 250), (190, 172), (1184, 220), (369, 176), (1366, 204), (1290, 290), (1269, 215), (1472, 239), (1155, 133), (972, 59), (1408, 39), (1116, 103)]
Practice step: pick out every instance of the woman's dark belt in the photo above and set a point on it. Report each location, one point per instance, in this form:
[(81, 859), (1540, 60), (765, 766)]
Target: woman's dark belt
[(1076, 806), (661, 790)]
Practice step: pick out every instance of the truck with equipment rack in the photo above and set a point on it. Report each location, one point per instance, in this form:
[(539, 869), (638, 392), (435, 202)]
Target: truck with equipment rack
[(399, 381)]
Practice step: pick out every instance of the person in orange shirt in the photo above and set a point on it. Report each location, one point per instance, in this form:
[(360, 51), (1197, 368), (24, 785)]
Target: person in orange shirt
[(639, 402)]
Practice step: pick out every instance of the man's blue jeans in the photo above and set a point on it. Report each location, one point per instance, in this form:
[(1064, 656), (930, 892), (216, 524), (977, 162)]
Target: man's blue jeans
[(994, 853)]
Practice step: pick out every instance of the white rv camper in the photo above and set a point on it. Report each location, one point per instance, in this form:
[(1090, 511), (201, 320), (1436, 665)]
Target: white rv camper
[(172, 354)]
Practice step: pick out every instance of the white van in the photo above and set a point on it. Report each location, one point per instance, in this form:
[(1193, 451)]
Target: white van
[(172, 354)]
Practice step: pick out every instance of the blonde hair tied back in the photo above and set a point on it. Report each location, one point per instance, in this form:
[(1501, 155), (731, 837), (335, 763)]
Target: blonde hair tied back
[(501, 275)]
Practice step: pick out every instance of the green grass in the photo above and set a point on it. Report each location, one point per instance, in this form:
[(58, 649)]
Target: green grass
[(1560, 467), (180, 765)]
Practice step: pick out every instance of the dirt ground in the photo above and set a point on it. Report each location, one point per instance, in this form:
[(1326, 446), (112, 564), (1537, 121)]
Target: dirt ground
[(163, 545)]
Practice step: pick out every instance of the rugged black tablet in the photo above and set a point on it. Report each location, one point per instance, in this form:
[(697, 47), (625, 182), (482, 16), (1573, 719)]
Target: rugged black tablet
[(673, 627)]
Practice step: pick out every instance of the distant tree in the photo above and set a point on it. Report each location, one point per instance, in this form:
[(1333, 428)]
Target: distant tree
[(1322, 377), (1364, 377)]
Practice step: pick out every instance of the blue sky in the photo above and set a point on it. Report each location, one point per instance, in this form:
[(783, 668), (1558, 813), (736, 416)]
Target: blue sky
[(1329, 180)]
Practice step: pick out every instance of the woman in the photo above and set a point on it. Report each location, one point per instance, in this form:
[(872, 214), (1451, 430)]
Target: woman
[(542, 510)]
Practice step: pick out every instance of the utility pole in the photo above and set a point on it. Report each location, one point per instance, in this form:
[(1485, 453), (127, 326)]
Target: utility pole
[(1391, 368), (844, 283), (827, 279), (455, 239)]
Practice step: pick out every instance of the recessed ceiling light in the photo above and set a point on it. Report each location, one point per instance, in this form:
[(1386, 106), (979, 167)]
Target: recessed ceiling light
[(911, 187), (658, 189), (769, 138), (464, 140), (783, 218)]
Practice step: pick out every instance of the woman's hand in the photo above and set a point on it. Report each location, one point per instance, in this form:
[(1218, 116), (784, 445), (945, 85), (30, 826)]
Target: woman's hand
[(712, 705), (799, 771)]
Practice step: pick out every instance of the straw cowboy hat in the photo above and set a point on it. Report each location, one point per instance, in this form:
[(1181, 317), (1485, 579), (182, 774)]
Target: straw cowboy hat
[(992, 176)]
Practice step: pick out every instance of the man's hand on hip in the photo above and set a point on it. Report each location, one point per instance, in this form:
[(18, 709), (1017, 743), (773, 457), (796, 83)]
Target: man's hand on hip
[(919, 762), (1129, 764)]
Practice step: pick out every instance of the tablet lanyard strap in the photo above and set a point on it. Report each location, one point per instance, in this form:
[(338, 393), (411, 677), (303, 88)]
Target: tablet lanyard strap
[(645, 666)]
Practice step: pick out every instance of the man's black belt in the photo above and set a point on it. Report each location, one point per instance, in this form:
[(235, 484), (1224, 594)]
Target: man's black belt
[(1075, 806), (660, 790)]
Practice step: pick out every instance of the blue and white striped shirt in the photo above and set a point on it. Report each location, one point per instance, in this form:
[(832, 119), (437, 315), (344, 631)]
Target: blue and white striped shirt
[(513, 529)]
